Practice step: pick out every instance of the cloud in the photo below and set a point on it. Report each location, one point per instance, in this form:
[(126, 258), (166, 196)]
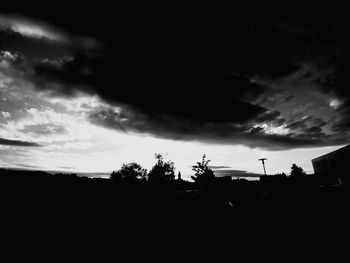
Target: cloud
[(31, 28), (43, 129), (335, 103), (268, 137), (300, 124), (313, 130), (26, 165), (289, 98), (37, 40), (235, 173), (38, 30), (18, 143), (218, 167), (230, 83), (318, 122)]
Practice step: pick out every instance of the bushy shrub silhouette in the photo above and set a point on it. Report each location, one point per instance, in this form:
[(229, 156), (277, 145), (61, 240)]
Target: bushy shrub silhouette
[(131, 172)]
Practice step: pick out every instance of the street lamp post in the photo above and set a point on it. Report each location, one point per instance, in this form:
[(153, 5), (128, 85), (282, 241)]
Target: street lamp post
[(263, 163)]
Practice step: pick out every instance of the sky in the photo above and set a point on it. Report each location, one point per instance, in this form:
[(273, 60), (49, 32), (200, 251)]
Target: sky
[(86, 89)]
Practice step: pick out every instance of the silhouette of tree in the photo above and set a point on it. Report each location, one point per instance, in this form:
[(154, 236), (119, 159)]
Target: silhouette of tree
[(203, 174), (296, 171), (162, 170), (179, 177), (130, 172)]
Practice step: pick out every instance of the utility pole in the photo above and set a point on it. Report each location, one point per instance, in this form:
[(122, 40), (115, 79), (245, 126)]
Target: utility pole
[(263, 163)]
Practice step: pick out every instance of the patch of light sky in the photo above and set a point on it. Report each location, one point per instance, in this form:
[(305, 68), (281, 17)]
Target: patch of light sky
[(273, 129)]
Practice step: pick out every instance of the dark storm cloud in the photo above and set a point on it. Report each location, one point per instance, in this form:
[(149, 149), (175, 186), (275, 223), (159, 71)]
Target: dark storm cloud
[(267, 116), (309, 125), (338, 86), (340, 123), (180, 90), (194, 78), (342, 126), (289, 98), (260, 40), (38, 40), (18, 143), (31, 48), (39, 30), (313, 130), (297, 125), (319, 122), (30, 28), (164, 126), (72, 73)]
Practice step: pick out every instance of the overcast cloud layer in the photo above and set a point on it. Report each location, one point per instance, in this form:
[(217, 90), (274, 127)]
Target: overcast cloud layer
[(261, 78)]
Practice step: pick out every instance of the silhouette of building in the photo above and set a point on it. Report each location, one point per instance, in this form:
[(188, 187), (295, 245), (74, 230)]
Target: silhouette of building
[(332, 167)]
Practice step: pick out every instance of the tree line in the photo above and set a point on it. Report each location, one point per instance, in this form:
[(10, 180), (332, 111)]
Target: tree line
[(164, 171)]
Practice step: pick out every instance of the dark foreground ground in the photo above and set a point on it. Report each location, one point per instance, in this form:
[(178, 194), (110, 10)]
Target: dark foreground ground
[(177, 216)]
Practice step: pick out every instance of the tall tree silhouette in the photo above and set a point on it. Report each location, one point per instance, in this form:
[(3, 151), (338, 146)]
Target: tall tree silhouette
[(203, 174), (296, 171), (130, 172), (162, 170)]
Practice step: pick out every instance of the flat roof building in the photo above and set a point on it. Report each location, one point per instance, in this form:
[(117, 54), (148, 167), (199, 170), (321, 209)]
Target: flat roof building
[(332, 167)]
